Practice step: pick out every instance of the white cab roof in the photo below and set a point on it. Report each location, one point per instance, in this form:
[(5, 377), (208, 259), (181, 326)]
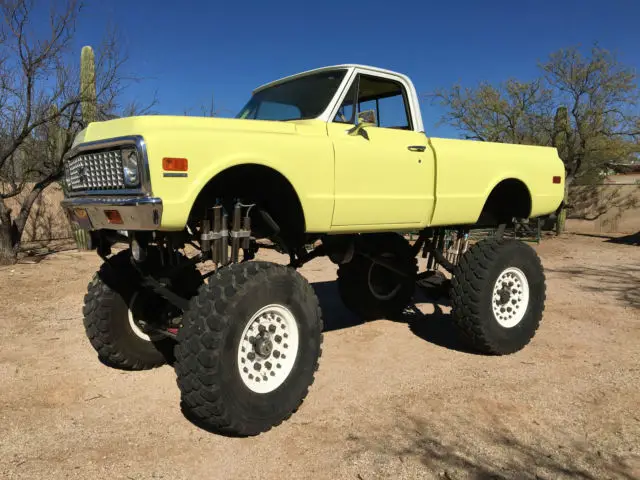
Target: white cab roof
[(351, 71), (346, 66)]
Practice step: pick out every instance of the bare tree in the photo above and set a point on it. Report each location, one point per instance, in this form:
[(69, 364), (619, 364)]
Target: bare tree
[(40, 94)]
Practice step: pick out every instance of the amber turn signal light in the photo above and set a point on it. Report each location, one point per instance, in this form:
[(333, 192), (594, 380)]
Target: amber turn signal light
[(113, 216), (557, 179), (175, 164)]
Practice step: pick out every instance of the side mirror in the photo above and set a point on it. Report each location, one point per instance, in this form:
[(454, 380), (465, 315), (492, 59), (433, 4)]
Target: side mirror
[(364, 119), (367, 118)]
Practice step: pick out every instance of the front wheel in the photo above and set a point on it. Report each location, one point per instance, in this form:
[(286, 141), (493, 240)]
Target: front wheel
[(116, 310), (249, 348), (498, 295)]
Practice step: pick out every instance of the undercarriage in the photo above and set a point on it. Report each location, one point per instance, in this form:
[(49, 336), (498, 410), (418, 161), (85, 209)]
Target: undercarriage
[(219, 242), (200, 300)]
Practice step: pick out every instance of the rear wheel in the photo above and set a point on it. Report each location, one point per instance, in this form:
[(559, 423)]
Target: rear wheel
[(372, 291), (116, 312), (249, 348), (498, 295)]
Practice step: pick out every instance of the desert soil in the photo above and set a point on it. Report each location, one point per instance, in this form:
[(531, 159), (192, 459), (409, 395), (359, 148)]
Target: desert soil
[(392, 399)]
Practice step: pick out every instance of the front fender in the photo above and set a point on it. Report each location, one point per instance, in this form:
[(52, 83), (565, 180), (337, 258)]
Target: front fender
[(305, 161)]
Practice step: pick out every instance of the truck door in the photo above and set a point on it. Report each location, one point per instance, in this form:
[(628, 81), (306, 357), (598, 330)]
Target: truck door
[(384, 172)]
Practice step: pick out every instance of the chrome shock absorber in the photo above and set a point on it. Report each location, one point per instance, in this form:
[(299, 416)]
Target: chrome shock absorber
[(240, 230), (211, 241), (215, 242)]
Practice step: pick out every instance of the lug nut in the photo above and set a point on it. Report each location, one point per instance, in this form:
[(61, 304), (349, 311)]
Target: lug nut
[(278, 338), (278, 365), (285, 345), (272, 328), (284, 356), (257, 379), (251, 355), (268, 365), (250, 377), (261, 328), (285, 335), (245, 370), (276, 354), (257, 366)]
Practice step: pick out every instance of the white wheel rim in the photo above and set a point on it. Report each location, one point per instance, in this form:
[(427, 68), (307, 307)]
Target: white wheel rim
[(134, 325), (263, 369), (372, 286), (136, 329), (510, 297)]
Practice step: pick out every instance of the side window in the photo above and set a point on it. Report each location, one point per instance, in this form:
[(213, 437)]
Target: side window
[(385, 97), (393, 112)]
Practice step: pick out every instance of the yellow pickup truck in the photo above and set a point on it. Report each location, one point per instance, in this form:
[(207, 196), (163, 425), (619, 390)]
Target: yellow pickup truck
[(334, 162)]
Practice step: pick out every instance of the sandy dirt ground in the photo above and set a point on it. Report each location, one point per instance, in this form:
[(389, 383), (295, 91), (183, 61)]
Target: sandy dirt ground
[(397, 399)]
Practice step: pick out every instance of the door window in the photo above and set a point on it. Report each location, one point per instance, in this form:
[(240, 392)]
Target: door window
[(386, 98)]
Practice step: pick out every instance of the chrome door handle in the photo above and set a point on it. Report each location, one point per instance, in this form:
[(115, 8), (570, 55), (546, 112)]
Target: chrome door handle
[(417, 148)]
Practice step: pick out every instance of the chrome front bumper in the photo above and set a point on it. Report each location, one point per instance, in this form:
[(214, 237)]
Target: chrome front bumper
[(136, 213)]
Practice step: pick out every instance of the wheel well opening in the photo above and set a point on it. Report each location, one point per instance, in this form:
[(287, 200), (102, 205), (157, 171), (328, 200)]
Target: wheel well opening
[(264, 186), (509, 199)]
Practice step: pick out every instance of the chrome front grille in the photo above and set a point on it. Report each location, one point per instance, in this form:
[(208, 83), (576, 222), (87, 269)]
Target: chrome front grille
[(95, 171)]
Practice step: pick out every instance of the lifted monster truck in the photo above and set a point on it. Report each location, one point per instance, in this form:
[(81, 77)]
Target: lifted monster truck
[(331, 162)]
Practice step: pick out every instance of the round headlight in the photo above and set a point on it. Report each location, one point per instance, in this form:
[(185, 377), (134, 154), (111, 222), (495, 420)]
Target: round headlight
[(130, 168)]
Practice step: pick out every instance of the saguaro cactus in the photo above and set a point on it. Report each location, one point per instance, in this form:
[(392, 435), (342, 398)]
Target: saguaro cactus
[(89, 105), (57, 138), (88, 85), (55, 134)]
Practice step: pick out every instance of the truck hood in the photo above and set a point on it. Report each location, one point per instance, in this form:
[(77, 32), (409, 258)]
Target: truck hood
[(139, 125)]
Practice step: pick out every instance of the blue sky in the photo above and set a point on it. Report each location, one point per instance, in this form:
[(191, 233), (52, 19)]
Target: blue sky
[(189, 50)]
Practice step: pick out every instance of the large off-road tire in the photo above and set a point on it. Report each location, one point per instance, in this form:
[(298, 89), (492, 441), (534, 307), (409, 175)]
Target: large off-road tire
[(372, 291), (249, 348), (498, 295), (112, 306)]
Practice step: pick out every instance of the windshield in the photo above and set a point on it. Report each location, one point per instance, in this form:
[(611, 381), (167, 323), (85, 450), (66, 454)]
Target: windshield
[(302, 98)]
